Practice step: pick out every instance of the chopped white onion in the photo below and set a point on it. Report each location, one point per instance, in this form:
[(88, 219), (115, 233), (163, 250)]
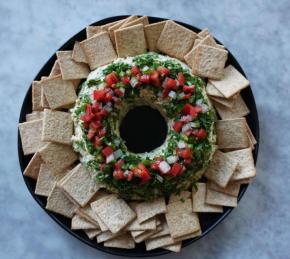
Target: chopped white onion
[(199, 102), (122, 89), (181, 144), (110, 158), (186, 118), (172, 94), (164, 167), (186, 127), (204, 108), (172, 159), (118, 153), (181, 95), (117, 141), (194, 125), (159, 178), (145, 68), (133, 81)]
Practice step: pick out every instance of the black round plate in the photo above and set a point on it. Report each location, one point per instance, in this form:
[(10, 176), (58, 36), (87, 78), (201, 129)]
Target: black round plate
[(208, 221)]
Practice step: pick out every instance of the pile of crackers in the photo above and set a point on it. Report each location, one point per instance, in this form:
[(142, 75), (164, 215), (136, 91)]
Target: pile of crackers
[(70, 188)]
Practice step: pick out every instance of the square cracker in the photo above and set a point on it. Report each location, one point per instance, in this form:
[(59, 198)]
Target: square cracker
[(99, 50), (152, 33), (59, 203), (55, 71), (250, 135), (194, 234), (180, 218), (36, 115), (107, 235), (115, 27), (78, 55), (93, 30), (228, 103), (57, 155), (231, 189), (212, 91), (209, 62), (36, 96), (246, 168), (232, 134), (183, 195), (46, 179), (58, 92), (203, 33), (106, 26), (148, 209), (159, 242), (231, 82), (79, 222), (239, 109), (92, 233), (164, 231), (70, 69), (30, 134), (141, 20), (124, 241), (57, 127), (198, 201), (221, 168), (129, 20), (175, 40), (130, 41), (80, 193), (208, 40), (114, 212), (174, 247), (220, 199), (32, 169)]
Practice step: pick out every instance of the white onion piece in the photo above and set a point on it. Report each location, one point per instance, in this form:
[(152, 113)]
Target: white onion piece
[(164, 167)]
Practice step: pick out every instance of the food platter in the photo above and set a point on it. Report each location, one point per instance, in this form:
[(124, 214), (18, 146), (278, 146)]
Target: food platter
[(207, 221)]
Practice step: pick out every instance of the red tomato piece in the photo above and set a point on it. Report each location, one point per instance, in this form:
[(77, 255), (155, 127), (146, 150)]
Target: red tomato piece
[(97, 142), (187, 96), (175, 169), (170, 83), (195, 111), (119, 164), (107, 151), (163, 71), (154, 79), (108, 97), (91, 133), (125, 80), (95, 125), (144, 173), (111, 79), (119, 92), (187, 161), (95, 107), (119, 175), (201, 134), (102, 132), (130, 176), (188, 88), (185, 153), (145, 79), (155, 165), (177, 126), (181, 78), (135, 70), (186, 109), (99, 95)]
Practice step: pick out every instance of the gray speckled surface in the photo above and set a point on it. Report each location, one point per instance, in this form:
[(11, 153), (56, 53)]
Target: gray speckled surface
[(257, 33)]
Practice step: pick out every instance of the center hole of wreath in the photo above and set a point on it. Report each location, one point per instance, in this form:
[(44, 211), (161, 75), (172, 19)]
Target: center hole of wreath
[(143, 129)]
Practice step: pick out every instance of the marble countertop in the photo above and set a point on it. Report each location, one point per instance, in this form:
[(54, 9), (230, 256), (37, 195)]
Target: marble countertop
[(257, 33)]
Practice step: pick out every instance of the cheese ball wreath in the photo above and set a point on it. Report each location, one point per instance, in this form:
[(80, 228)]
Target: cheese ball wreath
[(166, 84)]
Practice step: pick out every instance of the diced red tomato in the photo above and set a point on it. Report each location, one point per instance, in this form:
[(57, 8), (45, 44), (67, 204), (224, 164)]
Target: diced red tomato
[(119, 92), (175, 169), (97, 142), (187, 96), (99, 95), (111, 79), (130, 176), (102, 132), (181, 79), (186, 109), (119, 164), (135, 70), (145, 79), (119, 175), (163, 71), (143, 173), (95, 107), (155, 165), (165, 93), (108, 96), (107, 151), (188, 88), (187, 161), (177, 126), (102, 167), (170, 83), (192, 110), (91, 133), (154, 79), (101, 114), (201, 134), (188, 132), (95, 125), (86, 118), (125, 80), (184, 153)]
